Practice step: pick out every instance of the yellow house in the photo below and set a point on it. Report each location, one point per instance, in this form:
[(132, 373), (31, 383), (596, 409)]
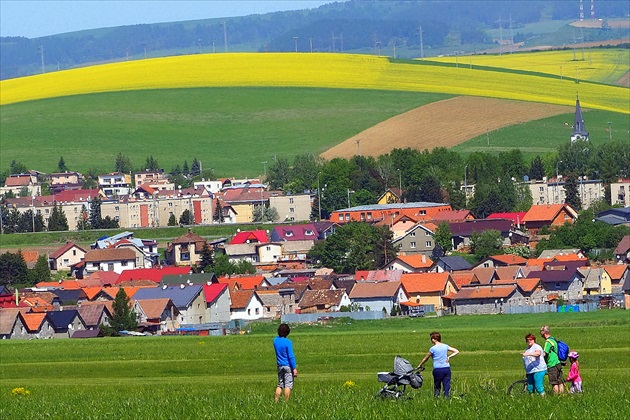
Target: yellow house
[(391, 196), (596, 281), (429, 288)]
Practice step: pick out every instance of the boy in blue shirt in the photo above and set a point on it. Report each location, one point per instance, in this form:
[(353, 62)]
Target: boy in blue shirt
[(287, 368)]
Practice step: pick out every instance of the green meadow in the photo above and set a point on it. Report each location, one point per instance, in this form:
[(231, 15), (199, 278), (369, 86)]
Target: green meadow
[(231, 130), (234, 376)]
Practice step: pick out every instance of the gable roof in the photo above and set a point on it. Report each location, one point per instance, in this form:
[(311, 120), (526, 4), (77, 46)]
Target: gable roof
[(153, 308), (319, 297), (623, 246), (424, 282), (547, 212), (65, 248), (244, 282), (368, 289), (33, 320), (553, 276), (181, 297), (213, 291), (378, 275), (91, 314), (508, 272), (104, 278), (615, 271), (60, 320), (508, 259), (516, 217), (464, 277), (416, 260), (188, 238), (484, 274), (485, 292), (451, 216), (455, 262), (7, 320), (302, 232), (109, 254), (252, 236), (240, 298), (528, 285)]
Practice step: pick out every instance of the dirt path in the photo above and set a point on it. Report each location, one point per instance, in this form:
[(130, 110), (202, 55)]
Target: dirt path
[(443, 124)]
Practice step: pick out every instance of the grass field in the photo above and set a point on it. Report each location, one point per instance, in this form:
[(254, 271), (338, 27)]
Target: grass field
[(234, 376), (231, 130)]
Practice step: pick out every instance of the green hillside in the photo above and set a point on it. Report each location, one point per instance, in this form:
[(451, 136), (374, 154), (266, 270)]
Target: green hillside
[(231, 130)]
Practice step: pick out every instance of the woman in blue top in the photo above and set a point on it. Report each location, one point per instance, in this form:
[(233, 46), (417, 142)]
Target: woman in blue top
[(287, 368), (441, 364)]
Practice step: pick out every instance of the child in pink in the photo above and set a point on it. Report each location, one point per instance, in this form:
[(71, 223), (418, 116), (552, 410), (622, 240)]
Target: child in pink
[(574, 373)]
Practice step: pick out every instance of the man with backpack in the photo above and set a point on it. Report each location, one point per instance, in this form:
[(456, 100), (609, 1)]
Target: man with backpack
[(554, 366)]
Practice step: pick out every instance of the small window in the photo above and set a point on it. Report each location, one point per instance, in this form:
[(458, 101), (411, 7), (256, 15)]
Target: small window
[(369, 216), (429, 244), (412, 244), (423, 212), (257, 311), (290, 200), (412, 234)]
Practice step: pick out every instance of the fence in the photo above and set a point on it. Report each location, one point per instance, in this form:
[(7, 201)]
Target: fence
[(359, 316), (542, 308)]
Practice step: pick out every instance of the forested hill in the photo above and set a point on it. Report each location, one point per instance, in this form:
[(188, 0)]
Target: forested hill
[(361, 26)]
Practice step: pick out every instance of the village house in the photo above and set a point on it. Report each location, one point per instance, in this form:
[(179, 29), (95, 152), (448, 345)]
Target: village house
[(246, 305), (551, 191), (451, 264), (217, 296), (462, 232), (596, 281), (291, 207), (418, 263), (378, 296), (115, 184), (95, 314), (619, 276), (244, 199), (66, 256), (16, 182), (539, 216), (622, 251), (188, 299), (61, 181), (566, 284), (155, 315), (417, 240), (185, 250), (64, 323), (484, 299), (435, 289), (154, 179), (323, 300), (109, 259), (391, 196), (35, 325)]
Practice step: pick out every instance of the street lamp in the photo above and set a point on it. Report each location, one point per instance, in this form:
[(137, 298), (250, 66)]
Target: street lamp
[(295, 38), (466, 184), (319, 196), (609, 130), (557, 197)]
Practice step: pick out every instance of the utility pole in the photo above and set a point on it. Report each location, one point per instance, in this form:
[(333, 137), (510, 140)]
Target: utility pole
[(295, 38), (41, 52), (311, 42), (225, 44), (421, 43)]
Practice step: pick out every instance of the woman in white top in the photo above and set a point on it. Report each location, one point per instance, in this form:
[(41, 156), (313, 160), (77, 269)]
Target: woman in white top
[(535, 366)]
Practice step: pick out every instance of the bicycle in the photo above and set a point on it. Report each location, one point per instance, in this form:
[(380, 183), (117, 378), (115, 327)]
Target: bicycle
[(517, 387)]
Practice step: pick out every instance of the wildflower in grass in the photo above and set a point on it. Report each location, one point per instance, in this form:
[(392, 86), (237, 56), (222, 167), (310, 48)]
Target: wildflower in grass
[(20, 391), (349, 385)]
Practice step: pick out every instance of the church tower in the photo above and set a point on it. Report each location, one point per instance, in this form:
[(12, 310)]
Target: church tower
[(579, 131)]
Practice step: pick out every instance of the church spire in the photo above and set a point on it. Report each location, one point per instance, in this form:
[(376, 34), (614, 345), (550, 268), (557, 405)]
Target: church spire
[(579, 131)]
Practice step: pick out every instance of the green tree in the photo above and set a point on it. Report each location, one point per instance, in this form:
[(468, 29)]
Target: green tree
[(151, 164), (443, 238), (305, 170), (486, 243), (218, 212), (123, 164), (186, 218), (13, 269), (537, 169), (206, 257), (18, 168), (57, 220), (84, 219), (245, 267), (185, 169), (195, 168), (61, 166), (354, 246), (278, 173), (572, 196), (41, 271), (95, 213), (123, 317), (172, 221), (223, 266)]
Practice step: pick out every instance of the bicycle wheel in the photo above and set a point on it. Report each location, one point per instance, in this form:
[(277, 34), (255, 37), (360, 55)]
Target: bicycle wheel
[(518, 387)]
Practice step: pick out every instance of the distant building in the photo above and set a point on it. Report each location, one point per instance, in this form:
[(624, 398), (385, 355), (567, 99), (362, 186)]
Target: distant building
[(579, 131)]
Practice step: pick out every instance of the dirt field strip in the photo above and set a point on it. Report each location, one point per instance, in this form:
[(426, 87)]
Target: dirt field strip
[(442, 124)]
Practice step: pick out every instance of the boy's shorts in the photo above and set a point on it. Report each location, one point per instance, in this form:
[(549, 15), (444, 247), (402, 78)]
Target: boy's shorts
[(555, 375), (285, 377)]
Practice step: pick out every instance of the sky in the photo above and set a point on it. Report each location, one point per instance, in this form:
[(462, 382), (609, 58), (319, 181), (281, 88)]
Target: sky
[(34, 19)]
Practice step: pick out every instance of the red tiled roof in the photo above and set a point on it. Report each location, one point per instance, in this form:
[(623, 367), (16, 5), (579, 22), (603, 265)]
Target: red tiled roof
[(463, 277), (154, 274), (257, 235), (424, 282), (378, 275), (615, 271), (528, 285), (243, 283), (509, 259), (30, 256), (213, 291), (75, 195), (68, 246), (515, 217), (33, 321), (18, 180), (451, 216), (153, 308), (240, 298), (321, 297), (103, 278)]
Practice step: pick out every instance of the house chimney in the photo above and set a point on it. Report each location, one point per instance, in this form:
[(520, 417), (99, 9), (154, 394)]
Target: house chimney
[(424, 258), (181, 286)]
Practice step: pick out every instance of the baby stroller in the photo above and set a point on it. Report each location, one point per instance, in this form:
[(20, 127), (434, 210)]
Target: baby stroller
[(396, 381)]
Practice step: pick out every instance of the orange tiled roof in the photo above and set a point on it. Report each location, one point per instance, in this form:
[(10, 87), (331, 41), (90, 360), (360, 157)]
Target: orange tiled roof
[(528, 285), (30, 256), (484, 274), (568, 257), (243, 283), (33, 321), (153, 308), (240, 298), (615, 271), (416, 261), (510, 259), (546, 212), (464, 277), (424, 282), (507, 272), (538, 262)]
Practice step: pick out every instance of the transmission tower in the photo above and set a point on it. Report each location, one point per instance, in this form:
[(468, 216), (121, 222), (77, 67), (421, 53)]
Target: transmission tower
[(592, 9), (581, 11)]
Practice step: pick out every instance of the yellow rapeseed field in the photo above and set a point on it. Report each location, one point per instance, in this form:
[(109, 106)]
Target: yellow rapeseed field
[(309, 70), (605, 65)]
